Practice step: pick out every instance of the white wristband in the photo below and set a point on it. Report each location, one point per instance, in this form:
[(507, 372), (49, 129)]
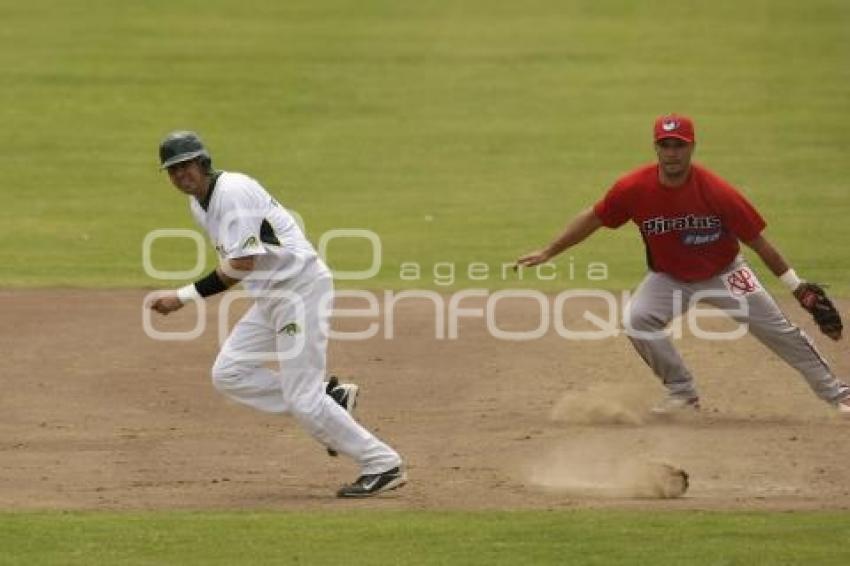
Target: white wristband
[(790, 279), (188, 293)]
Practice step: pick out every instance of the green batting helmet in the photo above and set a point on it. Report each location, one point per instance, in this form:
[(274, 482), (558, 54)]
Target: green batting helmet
[(181, 146)]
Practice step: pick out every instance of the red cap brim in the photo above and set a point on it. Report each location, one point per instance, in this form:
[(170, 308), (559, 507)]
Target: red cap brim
[(677, 136)]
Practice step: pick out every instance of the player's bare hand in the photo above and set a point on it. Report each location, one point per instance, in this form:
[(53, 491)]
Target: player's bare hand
[(532, 259), (166, 302)]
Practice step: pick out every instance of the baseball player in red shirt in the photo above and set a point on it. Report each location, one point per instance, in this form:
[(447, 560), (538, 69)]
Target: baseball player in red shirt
[(691, 222)]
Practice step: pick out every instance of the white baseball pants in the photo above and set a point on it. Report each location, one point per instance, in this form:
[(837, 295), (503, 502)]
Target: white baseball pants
[(291, 328)]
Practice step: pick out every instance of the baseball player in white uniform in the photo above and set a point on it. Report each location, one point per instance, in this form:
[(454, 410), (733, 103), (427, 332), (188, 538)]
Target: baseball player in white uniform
[(260, 245)]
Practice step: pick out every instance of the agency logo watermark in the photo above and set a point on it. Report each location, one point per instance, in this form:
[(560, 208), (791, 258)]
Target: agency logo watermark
[(574, 314)]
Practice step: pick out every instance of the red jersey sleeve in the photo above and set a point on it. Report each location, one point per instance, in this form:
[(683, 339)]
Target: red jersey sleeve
[(615, 208), (737, 213)]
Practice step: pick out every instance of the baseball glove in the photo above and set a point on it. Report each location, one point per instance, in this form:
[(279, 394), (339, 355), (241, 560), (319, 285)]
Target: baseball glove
[(813, 298)]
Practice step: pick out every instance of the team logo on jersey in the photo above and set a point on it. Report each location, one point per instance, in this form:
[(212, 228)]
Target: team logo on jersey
[(290, 329), (692, 223), (669, 125), (741, 282)]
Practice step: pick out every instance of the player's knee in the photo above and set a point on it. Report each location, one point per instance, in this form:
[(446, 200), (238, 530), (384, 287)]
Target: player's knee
[(226, 374), (305, 405), (637, 317)]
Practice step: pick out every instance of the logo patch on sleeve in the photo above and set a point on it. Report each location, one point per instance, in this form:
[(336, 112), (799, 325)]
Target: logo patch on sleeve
[(250, 242)]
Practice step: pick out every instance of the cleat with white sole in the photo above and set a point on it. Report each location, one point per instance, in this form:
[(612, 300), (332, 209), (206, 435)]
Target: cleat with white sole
[(674, 404), (368, 485)]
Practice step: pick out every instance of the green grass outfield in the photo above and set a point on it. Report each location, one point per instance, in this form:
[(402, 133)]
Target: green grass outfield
[(605, 538), (458, 131)]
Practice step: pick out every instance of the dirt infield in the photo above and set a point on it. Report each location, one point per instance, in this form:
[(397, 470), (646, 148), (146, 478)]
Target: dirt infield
[(96, 415)]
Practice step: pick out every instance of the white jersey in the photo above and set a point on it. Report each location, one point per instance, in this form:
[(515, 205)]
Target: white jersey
[(242, 219)]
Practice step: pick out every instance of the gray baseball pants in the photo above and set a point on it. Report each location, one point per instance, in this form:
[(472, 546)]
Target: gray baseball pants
[(660, 298)]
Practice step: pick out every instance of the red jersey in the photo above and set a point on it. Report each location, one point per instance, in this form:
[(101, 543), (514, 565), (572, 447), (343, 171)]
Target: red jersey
[(691, 232)]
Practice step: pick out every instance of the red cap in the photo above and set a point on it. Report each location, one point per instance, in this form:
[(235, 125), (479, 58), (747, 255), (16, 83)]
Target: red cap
[(674, 126)]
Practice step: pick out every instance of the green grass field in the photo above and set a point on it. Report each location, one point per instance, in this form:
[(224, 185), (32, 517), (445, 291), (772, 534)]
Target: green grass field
[(516, 538), (459, 132)]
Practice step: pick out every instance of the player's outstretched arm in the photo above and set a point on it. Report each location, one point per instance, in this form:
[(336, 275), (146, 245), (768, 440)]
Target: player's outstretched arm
[(769, 255), (225, 276), (232, 271), (583, 225), (811, 296)]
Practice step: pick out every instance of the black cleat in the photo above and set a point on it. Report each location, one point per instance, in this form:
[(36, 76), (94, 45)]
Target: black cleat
[(373, 484), (345, 395)]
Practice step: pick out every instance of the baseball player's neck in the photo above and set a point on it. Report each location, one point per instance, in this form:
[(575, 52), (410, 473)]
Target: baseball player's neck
[(210, 180), (203, 189), (675, 178)]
